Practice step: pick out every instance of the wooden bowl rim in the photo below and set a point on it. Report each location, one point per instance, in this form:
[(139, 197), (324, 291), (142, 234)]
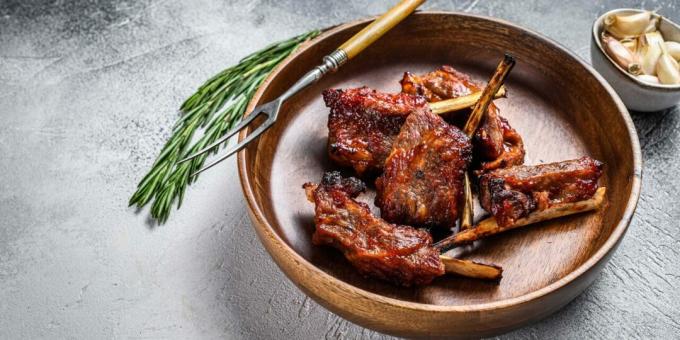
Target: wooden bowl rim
[(616, 234)]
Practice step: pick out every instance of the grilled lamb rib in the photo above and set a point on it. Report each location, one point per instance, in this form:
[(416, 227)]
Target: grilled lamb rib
[(363, 124), (422, 182), (397, 253), (512, 193)]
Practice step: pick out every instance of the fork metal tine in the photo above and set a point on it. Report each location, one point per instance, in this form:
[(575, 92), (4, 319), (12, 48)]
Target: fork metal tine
[(245, 121), (257, 132)]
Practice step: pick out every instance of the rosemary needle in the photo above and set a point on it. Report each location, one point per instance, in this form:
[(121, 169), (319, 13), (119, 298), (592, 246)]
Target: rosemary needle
[(215, 108)]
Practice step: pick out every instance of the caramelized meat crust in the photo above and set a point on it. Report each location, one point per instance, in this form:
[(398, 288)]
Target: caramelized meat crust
[(497, 144), (422, 182), (395, 253), (363, 124), (513, 193), (441, 84)]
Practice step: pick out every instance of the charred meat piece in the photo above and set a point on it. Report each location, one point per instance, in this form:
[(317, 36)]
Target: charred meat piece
[(512, 193), (363, 124), (422, 182), (497, 144), (441, 84), (396, 253)]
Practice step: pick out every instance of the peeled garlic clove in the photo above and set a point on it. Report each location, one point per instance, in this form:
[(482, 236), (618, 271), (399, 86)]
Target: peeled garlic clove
[(648, 79), (673, 49), (650, 56), (652, 38), (625, 26), (621, 55), (667, 70), (651, 49)]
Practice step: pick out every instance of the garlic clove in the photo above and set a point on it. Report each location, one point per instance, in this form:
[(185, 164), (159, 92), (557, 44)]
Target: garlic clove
[(621, 55), (673, 48), (667, 70), (625, 26), (651, 47), (654, 23), (648, 79)]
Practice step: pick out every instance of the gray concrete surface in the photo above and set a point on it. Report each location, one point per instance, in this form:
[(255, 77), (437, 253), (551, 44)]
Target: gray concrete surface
[(88, 92)]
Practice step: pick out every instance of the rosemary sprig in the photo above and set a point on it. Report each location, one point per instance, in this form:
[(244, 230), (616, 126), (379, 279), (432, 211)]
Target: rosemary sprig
[(215, 108)]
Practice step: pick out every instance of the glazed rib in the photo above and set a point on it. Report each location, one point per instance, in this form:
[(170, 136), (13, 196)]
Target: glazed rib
[(363, 124), (396, 253), (496, 143), (422, 182), (513, 193)]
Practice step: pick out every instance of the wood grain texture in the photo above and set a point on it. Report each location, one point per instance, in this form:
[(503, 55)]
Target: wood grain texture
[(379, 27), (559, 106)]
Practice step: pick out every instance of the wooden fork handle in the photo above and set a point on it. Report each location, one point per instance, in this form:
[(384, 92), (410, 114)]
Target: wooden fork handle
[(355, 45), (379, 27)]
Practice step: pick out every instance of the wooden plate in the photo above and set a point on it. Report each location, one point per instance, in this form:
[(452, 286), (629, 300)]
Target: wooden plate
[(562, 108)]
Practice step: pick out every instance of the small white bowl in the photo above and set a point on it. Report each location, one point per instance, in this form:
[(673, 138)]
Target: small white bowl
[(636, 94)]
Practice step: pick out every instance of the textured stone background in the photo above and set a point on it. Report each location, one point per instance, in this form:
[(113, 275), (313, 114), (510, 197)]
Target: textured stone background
[(88, 91)]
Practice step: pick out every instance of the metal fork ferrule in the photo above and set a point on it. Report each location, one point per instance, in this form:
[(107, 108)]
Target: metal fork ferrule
[(332, 62)]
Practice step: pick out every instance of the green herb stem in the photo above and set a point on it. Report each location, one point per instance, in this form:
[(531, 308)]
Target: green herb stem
[(217, 106)]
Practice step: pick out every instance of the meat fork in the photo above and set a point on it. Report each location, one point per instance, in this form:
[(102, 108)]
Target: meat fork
[(331, 63)]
